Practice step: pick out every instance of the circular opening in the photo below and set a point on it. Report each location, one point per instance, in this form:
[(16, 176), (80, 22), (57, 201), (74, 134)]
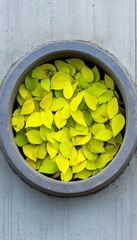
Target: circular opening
[(101, 88), (9, 90)]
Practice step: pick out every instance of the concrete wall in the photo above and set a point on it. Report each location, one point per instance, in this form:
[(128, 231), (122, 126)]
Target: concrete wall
[(25, 213)]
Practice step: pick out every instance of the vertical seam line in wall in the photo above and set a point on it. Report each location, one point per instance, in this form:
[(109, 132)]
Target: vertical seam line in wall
[(135, 44)]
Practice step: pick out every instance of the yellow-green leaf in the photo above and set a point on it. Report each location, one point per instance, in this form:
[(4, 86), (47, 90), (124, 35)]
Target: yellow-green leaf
[(62, 135), (62, 163), (87, 116), (65, 112), (31, 163), (81, 156), (96, 74), (104, 135), (67, 176), (59, 80), (81, 140), (58, 93), (79, 167), (72, 69), (91, 165), (47, 118), (43, 71), (43, 132), (65, 149), (50, 137), (48, 166), (18, 123), (23, 91), (87, 74), (107, 156), (84, 174), (16, 113), (97, 89), (79, 117), (95, 146), (76, 62), (51, 150), (105, 97), (117, 124), (74, 132), (34, 137), (30, 82), (88, 154), (45, 84), (59, 121), (40, 151), (112, 107), (49, 67), (28, 107), (118, 138), (20, 99), (109, 82), (62, 66), (91, 101), (57, 104), (46, 101), (96, 127), (100, 115), (38, 91), (34, 120), (102, 161), (21, 140), (75, 102), (74, 157), (28, 151), (111, 149), (68, 90)]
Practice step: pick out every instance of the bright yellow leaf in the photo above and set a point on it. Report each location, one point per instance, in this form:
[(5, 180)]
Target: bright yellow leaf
[(67, 176), (59, 80), (34, 137), (57, 104), (48, 166), (47, 118), (51, 150), (100, 115), (65, 149), (96, 74), (76, 62), (28, 151), (75, 102), (62, 66), (109, 82), (117, 124), (91, 101), (59, 121), (112, 107), (34, 120), (79, 167), (79, 117), (68, 90), (18, 123), (87, 74), (104, 135), (84, 174), (28, 107), (46, 101), (62, 163)]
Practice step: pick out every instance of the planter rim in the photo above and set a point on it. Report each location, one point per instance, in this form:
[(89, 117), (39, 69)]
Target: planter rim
[(7, 97)]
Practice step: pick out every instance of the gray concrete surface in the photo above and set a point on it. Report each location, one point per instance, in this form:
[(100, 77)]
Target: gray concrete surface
[(25, 213)]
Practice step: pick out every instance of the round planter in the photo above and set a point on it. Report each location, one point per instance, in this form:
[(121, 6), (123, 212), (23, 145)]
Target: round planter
[(8, 93)]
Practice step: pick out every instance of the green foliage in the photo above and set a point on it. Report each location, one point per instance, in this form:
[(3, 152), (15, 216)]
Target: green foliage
[(66, 121)]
